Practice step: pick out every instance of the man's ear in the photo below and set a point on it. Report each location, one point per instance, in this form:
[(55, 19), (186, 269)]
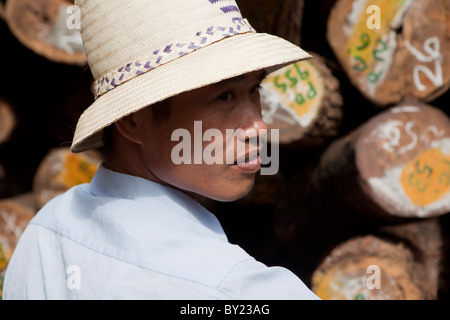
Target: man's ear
[(129, 129)]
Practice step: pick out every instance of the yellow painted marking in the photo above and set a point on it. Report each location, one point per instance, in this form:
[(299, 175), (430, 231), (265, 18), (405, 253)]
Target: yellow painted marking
[(4, 257), (77, 170), (426, 178), (297, 86), (365, 46)]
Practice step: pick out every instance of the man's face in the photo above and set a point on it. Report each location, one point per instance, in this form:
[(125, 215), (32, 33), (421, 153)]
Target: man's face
[(232, 104)]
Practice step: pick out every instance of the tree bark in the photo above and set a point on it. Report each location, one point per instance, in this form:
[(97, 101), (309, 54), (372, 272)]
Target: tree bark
[(281, 18)]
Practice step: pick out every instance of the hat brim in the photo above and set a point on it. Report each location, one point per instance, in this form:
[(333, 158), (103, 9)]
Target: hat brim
[(224, 59)]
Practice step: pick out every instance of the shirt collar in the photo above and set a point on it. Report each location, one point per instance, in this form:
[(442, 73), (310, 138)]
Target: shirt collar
[(180, 206)]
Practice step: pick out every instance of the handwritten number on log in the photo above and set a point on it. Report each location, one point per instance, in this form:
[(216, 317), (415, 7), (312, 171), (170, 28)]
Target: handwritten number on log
[(300, 99), (365, 40), (424, 169), (281, 86), (376, 52), (432, 48), (417, 182), (373, 77), (361, 64), (362, 67), (293, 81), (303, 74), (445, 175)]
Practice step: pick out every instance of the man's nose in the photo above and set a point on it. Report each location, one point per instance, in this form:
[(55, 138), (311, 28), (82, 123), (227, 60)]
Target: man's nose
[(254, 125)]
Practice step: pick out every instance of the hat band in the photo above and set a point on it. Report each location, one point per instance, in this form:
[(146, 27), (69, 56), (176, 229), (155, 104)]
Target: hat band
[(169, 53)]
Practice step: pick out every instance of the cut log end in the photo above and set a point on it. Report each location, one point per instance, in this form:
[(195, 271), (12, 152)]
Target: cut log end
[(394, 166), (2, 10), (15, 213), (373, 268), (348, 278), (41, 25), (303, 102), (403, 157), (7, 121), (61, 170), (393, 49)]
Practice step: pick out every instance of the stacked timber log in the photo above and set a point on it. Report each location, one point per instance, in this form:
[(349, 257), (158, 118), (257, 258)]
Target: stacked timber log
[(400, 49), (394, 165), (61, 170), (41, 25), (7, 121), (303, 102), (399, 263), (390, 171), (58, 172), (2, 9), (15, 213), (282, 18)]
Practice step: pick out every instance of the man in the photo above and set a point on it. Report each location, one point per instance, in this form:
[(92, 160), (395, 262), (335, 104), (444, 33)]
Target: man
[(138, 230)]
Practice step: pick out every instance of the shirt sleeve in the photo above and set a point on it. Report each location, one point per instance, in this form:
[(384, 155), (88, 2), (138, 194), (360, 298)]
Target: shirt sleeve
[(252, 280)]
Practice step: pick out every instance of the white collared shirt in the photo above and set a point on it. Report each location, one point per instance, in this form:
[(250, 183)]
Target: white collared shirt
[(124, 237)]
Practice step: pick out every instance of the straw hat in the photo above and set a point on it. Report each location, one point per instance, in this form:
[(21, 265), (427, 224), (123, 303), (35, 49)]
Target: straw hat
[(143, 51)]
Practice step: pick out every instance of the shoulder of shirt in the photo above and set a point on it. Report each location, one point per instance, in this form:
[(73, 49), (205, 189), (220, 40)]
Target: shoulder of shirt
[(199, 260)]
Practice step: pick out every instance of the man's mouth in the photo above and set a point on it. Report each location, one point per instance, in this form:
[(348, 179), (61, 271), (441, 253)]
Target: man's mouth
[(250, 163), (249, 158)]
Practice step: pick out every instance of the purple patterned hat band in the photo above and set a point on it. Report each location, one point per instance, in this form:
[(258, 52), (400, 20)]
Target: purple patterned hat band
[(169, 53)]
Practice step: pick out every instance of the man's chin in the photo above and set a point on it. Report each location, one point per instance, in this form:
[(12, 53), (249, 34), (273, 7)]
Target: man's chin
[(232, 195)]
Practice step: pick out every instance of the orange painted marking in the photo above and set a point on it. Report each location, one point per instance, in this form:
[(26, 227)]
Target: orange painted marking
[(426, 178), (349, 282), (4, 257), (77, 170)]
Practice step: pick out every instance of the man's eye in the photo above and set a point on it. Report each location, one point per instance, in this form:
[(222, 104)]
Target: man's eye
[(226, 96), (256, 88)]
